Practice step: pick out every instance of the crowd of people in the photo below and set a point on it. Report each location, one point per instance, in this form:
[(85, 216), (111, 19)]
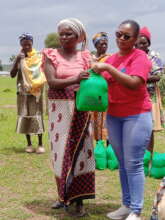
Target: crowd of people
[(132, 74)]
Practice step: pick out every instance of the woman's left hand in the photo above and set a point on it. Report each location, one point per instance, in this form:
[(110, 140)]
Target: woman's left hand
[(82, 75), (99, 67)]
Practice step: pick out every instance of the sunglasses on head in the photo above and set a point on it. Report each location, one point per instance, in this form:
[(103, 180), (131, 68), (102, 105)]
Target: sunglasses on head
[(124, 36)]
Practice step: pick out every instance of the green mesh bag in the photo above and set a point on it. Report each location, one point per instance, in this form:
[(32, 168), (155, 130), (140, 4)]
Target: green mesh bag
[(100, 155), (92, 94)]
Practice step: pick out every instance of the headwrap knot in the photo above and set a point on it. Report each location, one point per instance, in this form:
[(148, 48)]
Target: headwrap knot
[(26, 36), (99, 36)]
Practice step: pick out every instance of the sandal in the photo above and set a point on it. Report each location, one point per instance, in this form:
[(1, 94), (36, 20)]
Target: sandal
[(29, 149), (40, 150)]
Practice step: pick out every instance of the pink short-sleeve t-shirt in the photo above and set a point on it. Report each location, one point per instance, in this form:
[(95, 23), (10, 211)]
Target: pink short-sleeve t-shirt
[(123, 101)]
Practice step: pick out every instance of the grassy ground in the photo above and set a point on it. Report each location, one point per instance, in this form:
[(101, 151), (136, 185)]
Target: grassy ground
[(27, 187)]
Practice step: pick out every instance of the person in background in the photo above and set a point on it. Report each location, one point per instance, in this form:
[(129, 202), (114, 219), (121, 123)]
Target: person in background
[(158, 211), (129, 118), (100, 42), (69, 129), (29, 100), (144, 43)]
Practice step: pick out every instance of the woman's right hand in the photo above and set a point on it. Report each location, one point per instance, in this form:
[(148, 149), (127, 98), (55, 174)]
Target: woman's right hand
[(99, 67), (20, 56), (15, 67)]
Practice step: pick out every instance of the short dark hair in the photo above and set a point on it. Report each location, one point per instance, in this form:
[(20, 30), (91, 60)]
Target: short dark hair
[(134, 24)]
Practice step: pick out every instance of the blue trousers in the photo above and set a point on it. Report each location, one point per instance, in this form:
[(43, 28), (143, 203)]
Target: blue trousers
[(129, 137)]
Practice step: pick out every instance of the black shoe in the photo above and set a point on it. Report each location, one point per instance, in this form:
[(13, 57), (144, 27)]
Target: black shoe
[(57, 205)]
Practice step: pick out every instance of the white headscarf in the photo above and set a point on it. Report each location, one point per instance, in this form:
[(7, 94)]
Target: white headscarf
[(78, 29)]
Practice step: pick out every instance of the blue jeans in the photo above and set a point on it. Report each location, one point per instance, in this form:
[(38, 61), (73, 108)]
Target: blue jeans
[(129, 137)]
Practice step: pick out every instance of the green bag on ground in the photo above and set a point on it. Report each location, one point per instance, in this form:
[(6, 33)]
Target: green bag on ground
[(92, 94), (158, 165), (146, 170), (112, 161), (158, 159), (146, 161), (100, 155), (157, 172), (147, 158)]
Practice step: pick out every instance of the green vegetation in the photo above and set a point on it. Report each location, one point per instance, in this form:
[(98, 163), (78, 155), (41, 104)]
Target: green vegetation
[(27, 184), (6, 67), (52, 41)]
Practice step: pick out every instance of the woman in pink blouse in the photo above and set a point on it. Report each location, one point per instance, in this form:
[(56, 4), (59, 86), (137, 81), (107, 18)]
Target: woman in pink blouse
[(70, 136)]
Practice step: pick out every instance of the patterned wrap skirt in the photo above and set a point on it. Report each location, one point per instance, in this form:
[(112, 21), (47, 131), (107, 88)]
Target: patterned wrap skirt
[(71, 143)]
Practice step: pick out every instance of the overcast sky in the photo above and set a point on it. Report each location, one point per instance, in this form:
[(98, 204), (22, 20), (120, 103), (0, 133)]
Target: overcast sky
[(40, 17)]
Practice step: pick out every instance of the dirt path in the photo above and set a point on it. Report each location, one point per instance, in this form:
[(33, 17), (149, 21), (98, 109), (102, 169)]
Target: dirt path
[(8, 106)]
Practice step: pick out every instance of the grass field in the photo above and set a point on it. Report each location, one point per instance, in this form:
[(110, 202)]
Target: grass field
[(27, 187)]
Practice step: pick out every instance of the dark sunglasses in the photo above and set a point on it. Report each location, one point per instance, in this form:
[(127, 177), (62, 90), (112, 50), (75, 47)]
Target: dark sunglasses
[(125, 36)]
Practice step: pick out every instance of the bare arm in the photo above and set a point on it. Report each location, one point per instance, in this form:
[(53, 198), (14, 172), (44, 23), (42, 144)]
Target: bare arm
[(131, 82), (14, 68), (53, 82), (153, 79)]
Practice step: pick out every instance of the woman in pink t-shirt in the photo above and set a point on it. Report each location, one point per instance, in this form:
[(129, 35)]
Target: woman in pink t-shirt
[(129, 117), (69, 129)]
